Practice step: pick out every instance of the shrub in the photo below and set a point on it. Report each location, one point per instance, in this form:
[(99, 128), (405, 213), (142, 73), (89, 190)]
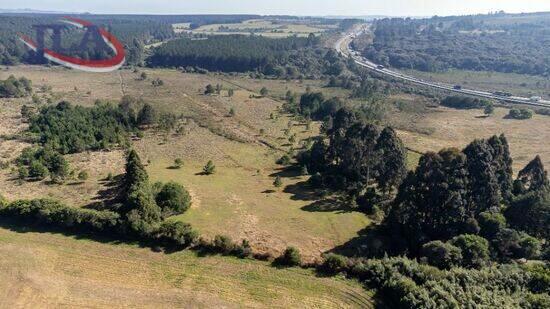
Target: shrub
[(178, 163), (290, 257), (334, 263), (209, 168), (173, 199), (53, 213), (243, 250), (277, 182), (520, 113), (461, 102), (83, 175), (223, 244), (176, 234)]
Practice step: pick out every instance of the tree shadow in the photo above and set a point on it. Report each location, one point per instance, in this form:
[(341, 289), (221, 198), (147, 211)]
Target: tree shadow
[(373, 241), (291, 171), (269, 191), (302, 191), (331, 204)]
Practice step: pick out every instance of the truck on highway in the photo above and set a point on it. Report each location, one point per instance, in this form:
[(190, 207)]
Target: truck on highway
[(535, 99), (380, 67), (457, 87)]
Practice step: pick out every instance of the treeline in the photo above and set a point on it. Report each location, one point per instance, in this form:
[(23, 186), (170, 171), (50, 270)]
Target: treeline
[(133, 31), (286, 57), (462, 102), (462, 42)]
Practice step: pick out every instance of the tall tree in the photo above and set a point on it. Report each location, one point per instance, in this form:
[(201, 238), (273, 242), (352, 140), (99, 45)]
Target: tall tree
[(484, 185), (392, 166)]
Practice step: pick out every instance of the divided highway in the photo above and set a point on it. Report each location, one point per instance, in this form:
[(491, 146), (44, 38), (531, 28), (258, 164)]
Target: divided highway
[(343, 47)]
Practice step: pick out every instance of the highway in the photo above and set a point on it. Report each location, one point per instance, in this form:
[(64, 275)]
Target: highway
[(344, 48)]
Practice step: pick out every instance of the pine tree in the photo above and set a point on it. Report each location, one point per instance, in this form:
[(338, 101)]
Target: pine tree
[(209, 168)]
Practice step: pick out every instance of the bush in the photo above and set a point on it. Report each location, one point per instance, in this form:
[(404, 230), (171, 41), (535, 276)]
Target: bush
[(173, 199), (243, 250), (83, 175), (520, 113), (334, 264), (223, 244), (53, 213), (176, 234), (290, 257), (460, 102)]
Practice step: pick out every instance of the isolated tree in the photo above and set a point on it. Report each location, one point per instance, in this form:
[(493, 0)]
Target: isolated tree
[(143, 76), (173, 199), (392, 167), (264, 92), (232, 112), (178, 162), (147, 115), (278, 182), (210, 89), (209, 168), (489, 109), (230, 92)]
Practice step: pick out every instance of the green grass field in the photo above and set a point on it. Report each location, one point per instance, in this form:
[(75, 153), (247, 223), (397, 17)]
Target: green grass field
[(52, 270)]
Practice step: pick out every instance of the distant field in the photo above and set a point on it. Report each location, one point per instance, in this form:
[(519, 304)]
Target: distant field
[(261, 27), (517, 84), (52, 270), (431, 129)]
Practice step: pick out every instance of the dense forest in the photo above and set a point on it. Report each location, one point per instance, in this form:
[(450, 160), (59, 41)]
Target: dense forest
[(291, 56), (499, 42)]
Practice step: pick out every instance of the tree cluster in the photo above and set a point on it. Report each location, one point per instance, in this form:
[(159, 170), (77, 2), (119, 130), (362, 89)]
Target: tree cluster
[(463, 207), (39, 162), (15, 88)]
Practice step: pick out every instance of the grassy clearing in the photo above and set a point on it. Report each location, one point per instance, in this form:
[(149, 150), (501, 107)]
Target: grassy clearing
[(52, 270), (444, 127), (275, 29), (517, 84)]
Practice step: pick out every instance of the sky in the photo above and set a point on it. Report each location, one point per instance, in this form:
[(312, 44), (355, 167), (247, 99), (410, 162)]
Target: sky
[(285, 7)]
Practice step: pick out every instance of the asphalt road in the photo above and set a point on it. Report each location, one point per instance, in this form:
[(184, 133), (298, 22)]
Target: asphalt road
[(343, 47)]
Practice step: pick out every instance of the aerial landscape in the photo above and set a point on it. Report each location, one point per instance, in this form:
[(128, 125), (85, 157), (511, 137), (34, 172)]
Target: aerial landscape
[(361, 154)]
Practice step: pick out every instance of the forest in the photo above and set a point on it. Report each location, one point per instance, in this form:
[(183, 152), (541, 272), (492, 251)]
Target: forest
[(480, 43), (290, 57)]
